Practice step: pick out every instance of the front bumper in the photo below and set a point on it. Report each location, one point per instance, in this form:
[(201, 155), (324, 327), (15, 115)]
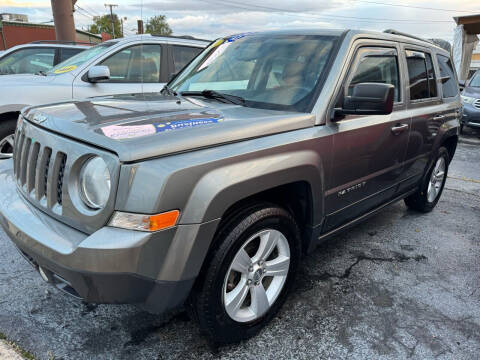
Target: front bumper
[(153, 270), (471, 116)]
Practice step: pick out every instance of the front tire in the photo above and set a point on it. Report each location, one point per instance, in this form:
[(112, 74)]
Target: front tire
[(250, 271), (427, 196), (7, 132)]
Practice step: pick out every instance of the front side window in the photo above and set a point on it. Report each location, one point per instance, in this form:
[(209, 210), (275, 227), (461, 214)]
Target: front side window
[(182, 55), (378, 66), (28, 61), (267, 71), (136, 64), (422, 82), (447, 77), (81, 58)]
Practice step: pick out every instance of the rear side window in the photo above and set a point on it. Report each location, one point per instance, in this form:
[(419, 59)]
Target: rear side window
[(421, 74), (68, 53), (379, 66), (447, 77), (182, 55)]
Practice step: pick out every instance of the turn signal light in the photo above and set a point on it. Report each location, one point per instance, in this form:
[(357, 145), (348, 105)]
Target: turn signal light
[(143, 222)]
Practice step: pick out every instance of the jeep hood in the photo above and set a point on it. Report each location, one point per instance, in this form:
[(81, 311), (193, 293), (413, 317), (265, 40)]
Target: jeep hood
[(141, 126)]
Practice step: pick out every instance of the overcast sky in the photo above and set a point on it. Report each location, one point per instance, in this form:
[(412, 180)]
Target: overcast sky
[(212, 18)]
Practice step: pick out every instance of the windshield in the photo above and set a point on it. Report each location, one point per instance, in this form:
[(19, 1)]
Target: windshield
[(475, 82), (79, 59), (269, 71)]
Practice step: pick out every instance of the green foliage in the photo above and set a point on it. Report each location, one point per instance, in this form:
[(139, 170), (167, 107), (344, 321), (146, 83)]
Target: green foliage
[(158, 25), (104, 24)]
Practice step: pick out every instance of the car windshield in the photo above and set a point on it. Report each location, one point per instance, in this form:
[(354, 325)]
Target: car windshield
[(280, 72), (475, 82), (79, 59)]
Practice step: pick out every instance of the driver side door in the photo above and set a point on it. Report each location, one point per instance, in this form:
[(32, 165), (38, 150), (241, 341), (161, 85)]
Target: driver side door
[(369, 150)]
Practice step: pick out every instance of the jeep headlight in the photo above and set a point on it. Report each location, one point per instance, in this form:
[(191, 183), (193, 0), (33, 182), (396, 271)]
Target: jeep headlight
[(467, 99), (95, 183)]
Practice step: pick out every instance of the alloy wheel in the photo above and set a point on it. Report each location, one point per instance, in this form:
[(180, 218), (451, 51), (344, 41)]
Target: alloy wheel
[(6, 147), (256, 276), (436, 180)]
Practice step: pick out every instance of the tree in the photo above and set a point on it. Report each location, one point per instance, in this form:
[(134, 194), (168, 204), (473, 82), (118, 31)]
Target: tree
[(158, 25), (104, 24)]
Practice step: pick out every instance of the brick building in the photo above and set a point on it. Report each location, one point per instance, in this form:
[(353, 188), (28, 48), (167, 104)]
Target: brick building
[(15, 33)]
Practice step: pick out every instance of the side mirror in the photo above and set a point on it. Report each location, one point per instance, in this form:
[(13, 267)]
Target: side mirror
[(369, 99), (98, 73)]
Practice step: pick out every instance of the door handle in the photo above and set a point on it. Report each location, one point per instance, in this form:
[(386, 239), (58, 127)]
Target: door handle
[(399, 128)]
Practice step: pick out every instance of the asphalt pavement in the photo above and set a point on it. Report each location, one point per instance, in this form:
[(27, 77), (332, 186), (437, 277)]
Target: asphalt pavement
[(400, 285)]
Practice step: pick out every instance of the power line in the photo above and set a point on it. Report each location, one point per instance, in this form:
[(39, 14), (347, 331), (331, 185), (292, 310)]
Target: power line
[(78, 10), (85, 11), (417, 7), (288, 12)]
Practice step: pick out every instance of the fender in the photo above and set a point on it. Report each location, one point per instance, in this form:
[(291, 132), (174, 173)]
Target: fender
[(222, 187)]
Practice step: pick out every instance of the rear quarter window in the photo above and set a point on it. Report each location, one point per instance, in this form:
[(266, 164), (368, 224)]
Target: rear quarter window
[(447, 77)]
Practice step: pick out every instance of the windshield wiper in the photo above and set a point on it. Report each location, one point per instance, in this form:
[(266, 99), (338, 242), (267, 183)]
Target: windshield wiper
[(41, 72), (212, 94), (166, 90)]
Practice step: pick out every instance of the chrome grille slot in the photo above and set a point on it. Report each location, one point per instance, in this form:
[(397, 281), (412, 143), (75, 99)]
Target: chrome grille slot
[(23, 165), (56, 182), (18, 153), (32, 167), (46, 170)]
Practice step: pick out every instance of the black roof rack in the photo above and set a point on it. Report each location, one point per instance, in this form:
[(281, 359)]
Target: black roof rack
[(395, 32), (188, 37), (62, 42)]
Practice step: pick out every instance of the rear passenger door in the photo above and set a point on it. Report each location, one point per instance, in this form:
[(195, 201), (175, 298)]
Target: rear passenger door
[(427, 114), (369, 151)]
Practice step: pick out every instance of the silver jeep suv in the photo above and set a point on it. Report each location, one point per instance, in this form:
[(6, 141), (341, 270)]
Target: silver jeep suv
[(209, 194)]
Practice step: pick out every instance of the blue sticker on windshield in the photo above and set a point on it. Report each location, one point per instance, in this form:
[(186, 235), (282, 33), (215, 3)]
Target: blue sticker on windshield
[(236, 37)]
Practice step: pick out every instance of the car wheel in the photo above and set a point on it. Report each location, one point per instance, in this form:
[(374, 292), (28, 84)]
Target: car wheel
[(249, 273), (427, 197), (7, 131)]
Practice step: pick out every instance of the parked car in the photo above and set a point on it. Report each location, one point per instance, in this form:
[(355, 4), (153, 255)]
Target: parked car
[(38, 56), (471, 102), (129, 65), (208, 195)]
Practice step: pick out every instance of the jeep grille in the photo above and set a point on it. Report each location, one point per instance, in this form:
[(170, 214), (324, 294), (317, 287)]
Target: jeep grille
[(39, 170)]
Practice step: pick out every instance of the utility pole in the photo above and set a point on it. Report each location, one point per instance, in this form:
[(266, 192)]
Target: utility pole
[(63, 18), (139, 26), (111, 6)]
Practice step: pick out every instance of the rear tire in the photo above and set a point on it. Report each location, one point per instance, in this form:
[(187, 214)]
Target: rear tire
[(7, 132), (427, 196), (239, 264)]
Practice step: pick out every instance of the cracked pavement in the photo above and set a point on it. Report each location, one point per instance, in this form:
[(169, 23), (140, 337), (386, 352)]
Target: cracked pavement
[(400, 285)]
